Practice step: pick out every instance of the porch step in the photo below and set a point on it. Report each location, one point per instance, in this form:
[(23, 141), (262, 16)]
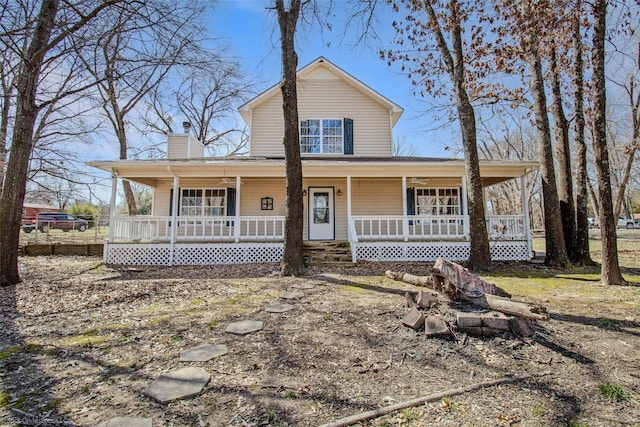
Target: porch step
[(330, 253)]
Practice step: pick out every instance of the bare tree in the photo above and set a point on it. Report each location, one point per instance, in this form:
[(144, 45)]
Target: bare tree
[(292, 259), (563, 155), (524, 33), (401, 147), (136, 50), (449, 17), (610, 274), (61, 191), (206, 98), (581, 255), (47, 35)]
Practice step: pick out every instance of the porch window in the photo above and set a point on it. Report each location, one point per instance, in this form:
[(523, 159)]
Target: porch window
[(321, 136), (437, 201), (203, 202)]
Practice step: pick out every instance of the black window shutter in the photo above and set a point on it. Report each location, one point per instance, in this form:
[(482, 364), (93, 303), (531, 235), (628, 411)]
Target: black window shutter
[(348, 136), (231, 204), (171, 202), (411, 202), (231, 201)]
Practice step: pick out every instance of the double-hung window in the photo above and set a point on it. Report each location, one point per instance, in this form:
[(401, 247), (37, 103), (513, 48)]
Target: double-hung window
[(203, 202), (437, 201), (321, 136)]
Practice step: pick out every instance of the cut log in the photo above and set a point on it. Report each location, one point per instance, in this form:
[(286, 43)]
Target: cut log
[(410, 278), (462, 279), (516, 308), (414, 319), (493, 302), (435, 327), (421, 299)]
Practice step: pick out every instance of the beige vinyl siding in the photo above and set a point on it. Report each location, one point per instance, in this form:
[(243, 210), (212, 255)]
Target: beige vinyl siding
[(183, 146), (178, 147), (251, 192), (324, 98), (376, 196)]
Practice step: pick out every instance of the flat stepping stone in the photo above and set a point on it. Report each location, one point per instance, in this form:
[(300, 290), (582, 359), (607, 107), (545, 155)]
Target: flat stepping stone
[(292, 295), (127, 422), (178, 384), (203, 353), (244, 327), (278, 308)]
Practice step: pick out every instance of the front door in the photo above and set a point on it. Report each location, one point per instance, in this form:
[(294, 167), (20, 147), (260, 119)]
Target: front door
[(321, 213)]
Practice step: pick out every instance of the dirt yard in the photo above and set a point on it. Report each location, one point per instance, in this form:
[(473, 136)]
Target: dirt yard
[(81, 342)]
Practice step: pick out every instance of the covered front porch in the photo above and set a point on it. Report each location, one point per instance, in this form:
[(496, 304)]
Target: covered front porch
[(400, 218)]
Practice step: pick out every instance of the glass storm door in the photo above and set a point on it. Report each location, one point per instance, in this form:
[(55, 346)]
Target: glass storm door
[(321, 214)]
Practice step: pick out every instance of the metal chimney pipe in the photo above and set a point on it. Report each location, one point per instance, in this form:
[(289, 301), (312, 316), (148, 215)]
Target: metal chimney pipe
[(186, 126)]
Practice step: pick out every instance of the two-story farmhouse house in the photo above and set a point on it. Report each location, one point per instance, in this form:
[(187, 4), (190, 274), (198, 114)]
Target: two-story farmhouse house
[(209, 210)]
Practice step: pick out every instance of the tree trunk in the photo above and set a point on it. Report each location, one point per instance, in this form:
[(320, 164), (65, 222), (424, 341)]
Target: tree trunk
[(634, 101), (563, 154), (479, 255), (611, 274), (554, 237), (14, 188), (293, 256), (581, 255), (7, 91)]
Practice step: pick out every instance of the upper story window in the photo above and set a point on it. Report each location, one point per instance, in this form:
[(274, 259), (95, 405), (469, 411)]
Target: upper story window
[(202, 202), (321, 136), (326, 136)]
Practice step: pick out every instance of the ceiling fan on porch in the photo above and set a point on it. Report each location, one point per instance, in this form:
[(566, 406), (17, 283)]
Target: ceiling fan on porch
[(228, 181), (419, 181)]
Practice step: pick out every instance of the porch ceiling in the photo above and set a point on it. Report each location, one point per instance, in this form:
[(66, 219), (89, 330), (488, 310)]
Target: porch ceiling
[(147, 172)]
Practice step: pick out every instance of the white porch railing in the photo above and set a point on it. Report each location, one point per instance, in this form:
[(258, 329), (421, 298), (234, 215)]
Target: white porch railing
[(219, 228), (419, 227), (271, 228), (506, 227)]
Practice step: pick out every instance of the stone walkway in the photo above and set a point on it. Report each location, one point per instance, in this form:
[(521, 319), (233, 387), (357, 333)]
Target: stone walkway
[(188, 382)]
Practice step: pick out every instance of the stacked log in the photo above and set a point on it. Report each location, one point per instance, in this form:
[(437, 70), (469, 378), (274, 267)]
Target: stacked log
[(455, 282)]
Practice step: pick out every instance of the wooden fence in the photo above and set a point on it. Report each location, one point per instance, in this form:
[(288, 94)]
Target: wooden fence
[(82, 249)]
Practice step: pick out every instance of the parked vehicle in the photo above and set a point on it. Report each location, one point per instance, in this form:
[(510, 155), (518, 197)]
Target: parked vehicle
[(55, 220), (622, 223), (625, 223)]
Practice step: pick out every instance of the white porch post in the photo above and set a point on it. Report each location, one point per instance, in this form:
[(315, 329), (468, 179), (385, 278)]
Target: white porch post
[(525, 214), (349, 221), (112, 217), (465, 210), (405, 218), (236, 228), (174, 216), (349, 198), (112, 205)]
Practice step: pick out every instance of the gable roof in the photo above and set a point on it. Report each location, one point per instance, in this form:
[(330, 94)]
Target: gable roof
[(395, 109)]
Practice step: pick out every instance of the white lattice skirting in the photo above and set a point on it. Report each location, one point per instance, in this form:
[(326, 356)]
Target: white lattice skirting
[(193, 253), (430, 251), (245, 253)]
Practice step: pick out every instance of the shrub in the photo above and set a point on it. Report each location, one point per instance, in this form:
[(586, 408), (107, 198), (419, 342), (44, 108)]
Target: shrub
[(86, 211)]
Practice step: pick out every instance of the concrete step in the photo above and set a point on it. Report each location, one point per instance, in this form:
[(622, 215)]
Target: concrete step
[(332, 253)]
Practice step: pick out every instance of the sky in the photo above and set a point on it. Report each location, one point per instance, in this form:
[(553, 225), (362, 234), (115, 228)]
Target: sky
[(250, 31)]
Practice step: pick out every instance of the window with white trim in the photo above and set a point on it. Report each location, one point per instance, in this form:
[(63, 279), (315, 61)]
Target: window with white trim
[(203, 202), (321, 136), (437, 201)]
